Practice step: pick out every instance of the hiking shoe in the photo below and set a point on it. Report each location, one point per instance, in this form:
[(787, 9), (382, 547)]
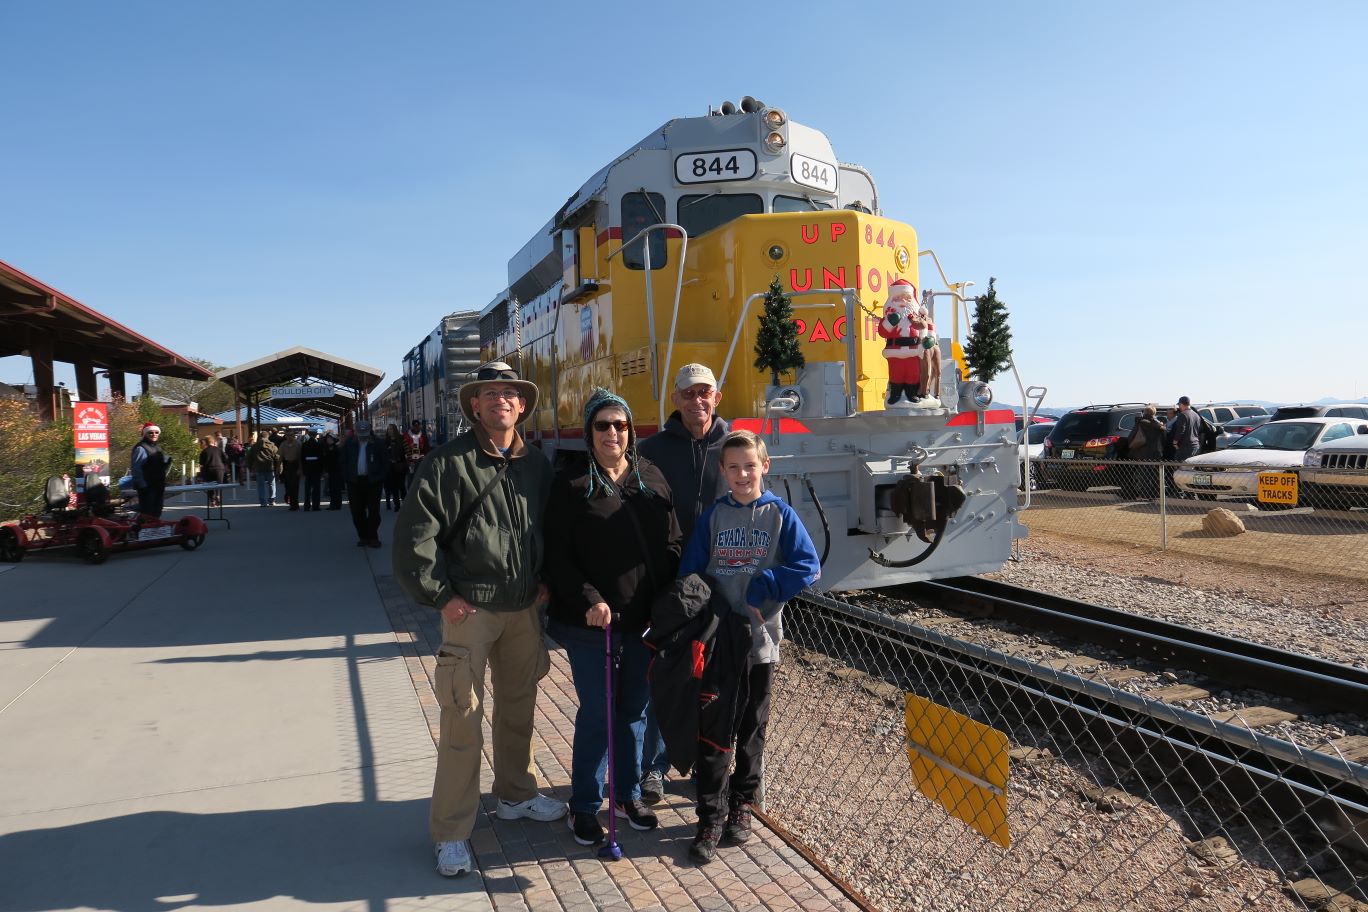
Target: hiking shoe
[(586, 828), (538, 807), (652, 787), (453, 858), (704, 848), (737, 829), (637, 814)]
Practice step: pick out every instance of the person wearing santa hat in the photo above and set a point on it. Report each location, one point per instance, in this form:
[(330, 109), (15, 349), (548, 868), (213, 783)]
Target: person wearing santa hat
[(149, 471)]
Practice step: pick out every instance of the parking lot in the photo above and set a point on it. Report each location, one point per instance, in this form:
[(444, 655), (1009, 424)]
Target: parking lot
[(1318, 540)]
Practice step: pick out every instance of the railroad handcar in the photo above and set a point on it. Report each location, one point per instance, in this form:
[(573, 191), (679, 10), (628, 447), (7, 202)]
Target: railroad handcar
[(663, 257)]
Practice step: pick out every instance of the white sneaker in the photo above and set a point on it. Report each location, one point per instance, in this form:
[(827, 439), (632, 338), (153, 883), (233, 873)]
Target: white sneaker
[(538, 807), (453, 858)]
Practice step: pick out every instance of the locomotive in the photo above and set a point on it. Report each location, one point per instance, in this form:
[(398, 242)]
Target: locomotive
[(663, 257)]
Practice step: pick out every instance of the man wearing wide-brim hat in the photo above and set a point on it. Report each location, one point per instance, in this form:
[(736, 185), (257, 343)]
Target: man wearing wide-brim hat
[(468, 542)]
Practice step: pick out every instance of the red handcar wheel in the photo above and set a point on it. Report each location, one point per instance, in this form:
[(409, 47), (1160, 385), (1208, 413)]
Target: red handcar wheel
[(91, 547), (10, 549), (192, 542)]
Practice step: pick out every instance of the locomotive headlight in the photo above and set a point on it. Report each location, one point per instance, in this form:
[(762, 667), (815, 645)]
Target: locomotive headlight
[(775, 252), (975, 395), (775, 118), (775, 141)]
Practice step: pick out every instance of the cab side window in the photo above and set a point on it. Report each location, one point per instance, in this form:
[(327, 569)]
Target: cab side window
[(641, 210)]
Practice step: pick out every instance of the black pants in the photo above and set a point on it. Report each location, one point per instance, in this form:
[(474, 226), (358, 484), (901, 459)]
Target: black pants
[(289, 478), (365, 507), (313, 489), (151, 498), (716, 793), (396, 487), (335, 490)]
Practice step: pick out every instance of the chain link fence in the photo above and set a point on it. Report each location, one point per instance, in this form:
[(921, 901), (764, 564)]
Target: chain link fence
[(1109, 800), (1307, 519)]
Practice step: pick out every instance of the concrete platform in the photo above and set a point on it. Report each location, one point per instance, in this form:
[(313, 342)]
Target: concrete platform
[(250, 726)]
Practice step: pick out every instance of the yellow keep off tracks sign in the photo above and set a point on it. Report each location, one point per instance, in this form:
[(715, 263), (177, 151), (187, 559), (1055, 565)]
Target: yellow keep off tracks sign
[(1278, 487), (960, 764)]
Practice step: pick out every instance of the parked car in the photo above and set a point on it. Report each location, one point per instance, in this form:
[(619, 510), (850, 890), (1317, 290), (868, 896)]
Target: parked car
[(1035, 419), (1227, 412), (1238, 428), (1336, 473), (1349, 410), (1234, 471), (1084, 436), (1032, 440)]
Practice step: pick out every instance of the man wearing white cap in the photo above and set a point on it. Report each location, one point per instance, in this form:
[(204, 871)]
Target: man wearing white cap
[(468, 542), (688, 453)]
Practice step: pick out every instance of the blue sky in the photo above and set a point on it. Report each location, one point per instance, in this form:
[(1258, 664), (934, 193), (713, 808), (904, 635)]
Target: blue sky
[(1171, 195)]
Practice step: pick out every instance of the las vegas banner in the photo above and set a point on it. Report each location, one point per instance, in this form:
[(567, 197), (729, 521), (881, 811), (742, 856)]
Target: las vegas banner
[(90, 431)]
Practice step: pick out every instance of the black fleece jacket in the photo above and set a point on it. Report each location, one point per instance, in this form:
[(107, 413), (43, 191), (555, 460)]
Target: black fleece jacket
[(692, 467), (619, 547)]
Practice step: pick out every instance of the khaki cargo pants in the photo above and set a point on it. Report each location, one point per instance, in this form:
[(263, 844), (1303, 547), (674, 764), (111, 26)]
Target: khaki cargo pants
[(511, 643)]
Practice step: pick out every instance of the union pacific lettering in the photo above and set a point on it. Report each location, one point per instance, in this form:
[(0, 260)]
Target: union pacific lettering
[(873, 278)]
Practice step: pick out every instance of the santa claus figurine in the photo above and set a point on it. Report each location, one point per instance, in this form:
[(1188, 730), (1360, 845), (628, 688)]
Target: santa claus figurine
[(910, 336)]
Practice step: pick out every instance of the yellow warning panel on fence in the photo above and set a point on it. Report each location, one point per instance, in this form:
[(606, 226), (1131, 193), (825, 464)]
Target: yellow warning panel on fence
[(960, 764)]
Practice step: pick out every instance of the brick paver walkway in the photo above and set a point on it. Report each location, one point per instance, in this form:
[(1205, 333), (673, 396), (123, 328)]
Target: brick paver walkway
[(539, 866)]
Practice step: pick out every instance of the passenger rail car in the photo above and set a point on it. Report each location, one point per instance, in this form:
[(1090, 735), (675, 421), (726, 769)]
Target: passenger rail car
[(662, 258), (434, 369)]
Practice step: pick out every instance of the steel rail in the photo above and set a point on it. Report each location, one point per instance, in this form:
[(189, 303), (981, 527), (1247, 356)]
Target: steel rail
[(1316, 681), (1177, 727)]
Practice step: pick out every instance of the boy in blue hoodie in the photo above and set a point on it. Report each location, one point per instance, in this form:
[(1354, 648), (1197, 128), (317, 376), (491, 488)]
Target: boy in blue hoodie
[(756, 554)]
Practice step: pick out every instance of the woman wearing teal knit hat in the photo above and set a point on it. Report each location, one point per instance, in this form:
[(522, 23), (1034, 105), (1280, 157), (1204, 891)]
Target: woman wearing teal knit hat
[(612, 544)]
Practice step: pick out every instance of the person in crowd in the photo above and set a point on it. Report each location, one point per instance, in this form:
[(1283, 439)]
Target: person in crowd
[(234, 452), (1186, 433), (396, 481), (688, 453), (364, 465), (1146, 443), (148, 466), (468, 541), (417, 445), (290, 454), (311, 461), (332, 467), (263, 458), (213, 463), (758, 555), (612, 543), (1170, 416), (277, 437)]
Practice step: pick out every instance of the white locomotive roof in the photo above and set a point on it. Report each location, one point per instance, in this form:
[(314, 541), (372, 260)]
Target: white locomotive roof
[(682, 134)]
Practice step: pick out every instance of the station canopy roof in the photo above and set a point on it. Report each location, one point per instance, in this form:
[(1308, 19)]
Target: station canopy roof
[(270, 417), (301, 366), (33, 314)]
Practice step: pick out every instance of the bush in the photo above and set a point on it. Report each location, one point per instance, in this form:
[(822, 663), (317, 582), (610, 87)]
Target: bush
[(30, 452)]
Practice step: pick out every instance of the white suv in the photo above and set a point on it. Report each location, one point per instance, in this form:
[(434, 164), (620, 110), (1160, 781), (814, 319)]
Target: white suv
[(1336, 473)]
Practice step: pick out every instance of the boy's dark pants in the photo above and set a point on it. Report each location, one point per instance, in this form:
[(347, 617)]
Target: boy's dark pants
[(710, 773)]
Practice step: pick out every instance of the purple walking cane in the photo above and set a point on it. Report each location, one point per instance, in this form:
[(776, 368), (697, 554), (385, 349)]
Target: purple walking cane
[(612, 851)]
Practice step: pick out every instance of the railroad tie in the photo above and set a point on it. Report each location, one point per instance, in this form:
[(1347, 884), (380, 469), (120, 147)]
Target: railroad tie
[(1255, 716)]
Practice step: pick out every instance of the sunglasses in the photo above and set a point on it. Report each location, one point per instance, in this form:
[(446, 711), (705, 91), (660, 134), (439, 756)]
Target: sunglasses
[(494, 373), (692, 393), (603, 426)]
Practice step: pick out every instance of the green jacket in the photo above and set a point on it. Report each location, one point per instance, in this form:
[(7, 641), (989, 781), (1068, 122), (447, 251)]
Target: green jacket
[(497, 564)]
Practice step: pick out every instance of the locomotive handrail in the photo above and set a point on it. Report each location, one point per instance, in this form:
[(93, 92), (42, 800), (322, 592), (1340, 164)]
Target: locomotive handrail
[(848, 296), (658, 377)]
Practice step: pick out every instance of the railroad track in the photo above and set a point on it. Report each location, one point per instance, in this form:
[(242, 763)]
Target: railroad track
[(1314, 803)]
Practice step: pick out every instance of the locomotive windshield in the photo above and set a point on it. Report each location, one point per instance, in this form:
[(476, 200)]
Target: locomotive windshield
[(700, 213), (641, 210), (798, 204)]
